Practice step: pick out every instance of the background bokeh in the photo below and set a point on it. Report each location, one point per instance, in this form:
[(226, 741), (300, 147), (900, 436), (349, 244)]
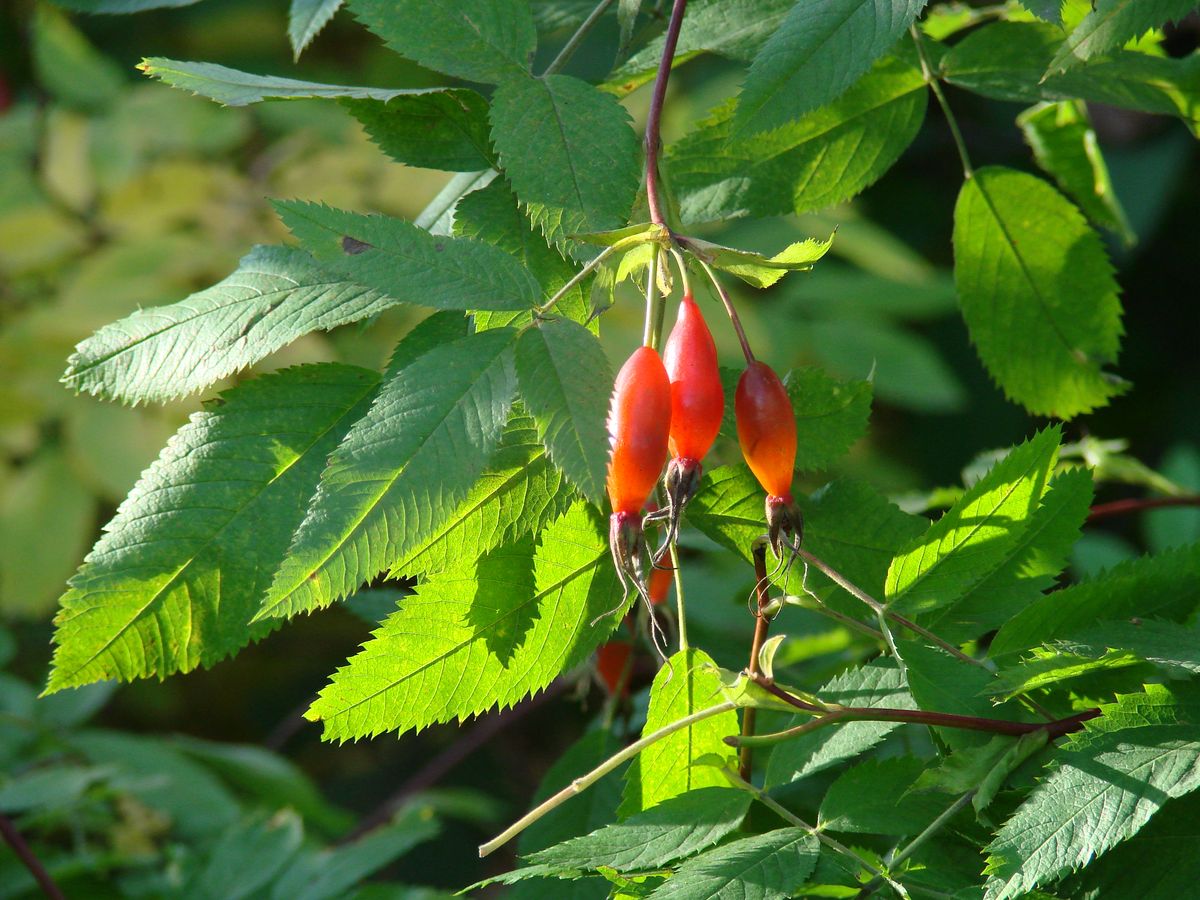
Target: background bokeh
[(118, 193)]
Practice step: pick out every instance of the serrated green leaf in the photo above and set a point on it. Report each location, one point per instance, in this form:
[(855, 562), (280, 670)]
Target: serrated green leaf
[(306, 18), (823, 159), (1047, 10), (758, 270), (230, 87), (1097, 796), (767, 866), (1065, 146), (1169, 645), (1030, 564), (873, 798), (183, 565), (831, 416), (493, 215), (1008, 61), (400, 472), (436, 658), (674, 829), (331, 873), (977, 535), (877, 683), (819, 50), (569, 151), (478, 40), (1037, 293), (276, 295), (1166, 586), (941, 683), (1050, 668), (519, 493), (1113, 23), (565, 381), (446, 130), (405, 261), (688, 682)]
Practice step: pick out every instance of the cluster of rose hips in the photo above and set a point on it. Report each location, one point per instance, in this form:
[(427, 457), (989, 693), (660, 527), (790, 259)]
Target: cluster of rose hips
[(674, 404)]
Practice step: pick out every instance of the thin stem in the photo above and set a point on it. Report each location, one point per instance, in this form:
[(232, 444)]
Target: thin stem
[(651, 334), (681, 263), (832, 714), (915, 844), (815, 605), (574, 40), (654, 119), (936, 87), (579, 276), (734, 318), (13, 838), (761, 626), (460, 184), (1123, 507), (792, 819), (683, 639), (581, 784)]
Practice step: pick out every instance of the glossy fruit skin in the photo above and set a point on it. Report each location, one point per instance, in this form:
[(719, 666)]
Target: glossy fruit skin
[(611, 659), (639, 425), (766, 429), (697, 398)]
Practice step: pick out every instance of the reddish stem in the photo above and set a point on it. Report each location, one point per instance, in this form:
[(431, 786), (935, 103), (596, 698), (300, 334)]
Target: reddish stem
[(1123, 507), (654, 119), (761, 625), (13, 838)]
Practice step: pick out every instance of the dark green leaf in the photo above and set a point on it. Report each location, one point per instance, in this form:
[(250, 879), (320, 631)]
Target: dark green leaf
[(445, 130), (276, 295), (764, 867), (1169, 645), (400, 472), (182, 566), (569, 151), (69, 67), (409, 263), (479, 40), (688, 682), (874, 798), (116, 7), (565, 381), (823, 159), (480, 636), (248, 857), (819, 50), (830, 416)]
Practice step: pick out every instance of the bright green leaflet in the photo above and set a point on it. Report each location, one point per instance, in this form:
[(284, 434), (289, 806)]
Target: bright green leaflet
[(409, 263), (564, 378), (230, 87), (519, 493), (446, 130), (400, 472), (976, 536), (819, 50), (1037, 293), (1052, 668), (1169, 645), (480, 636), (824, 158), (767, 866), (276, 295), (183, 565), (878, 683), (763, 271), (569, 151), (477, 40), (1113, 23), (306, 18), (1065, 146), (674, 829), (1098, 796), (1165, 586), (1030, 564), (688, 682)]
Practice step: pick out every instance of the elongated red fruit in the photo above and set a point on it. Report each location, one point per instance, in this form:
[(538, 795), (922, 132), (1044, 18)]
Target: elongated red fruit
[(639, 424), (697, 398), (611, 659), (660, 585), (766, 429)]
